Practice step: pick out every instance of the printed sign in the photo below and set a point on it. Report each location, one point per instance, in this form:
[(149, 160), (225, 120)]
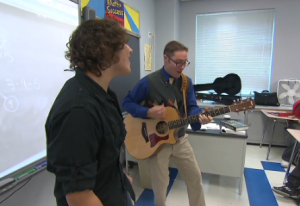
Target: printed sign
[(114, 9)]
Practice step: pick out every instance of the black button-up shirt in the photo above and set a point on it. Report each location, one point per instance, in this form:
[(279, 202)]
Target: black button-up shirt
[(85, 132)]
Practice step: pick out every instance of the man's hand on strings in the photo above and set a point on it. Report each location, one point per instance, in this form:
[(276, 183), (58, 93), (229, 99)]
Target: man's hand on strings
[(205, 118)]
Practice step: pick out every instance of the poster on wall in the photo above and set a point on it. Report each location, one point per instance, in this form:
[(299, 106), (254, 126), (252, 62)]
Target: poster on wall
[(114, 9), (132, 19), (148, 57)]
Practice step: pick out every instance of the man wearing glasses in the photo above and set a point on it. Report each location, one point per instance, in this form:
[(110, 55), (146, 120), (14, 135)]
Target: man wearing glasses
[(148, 100)]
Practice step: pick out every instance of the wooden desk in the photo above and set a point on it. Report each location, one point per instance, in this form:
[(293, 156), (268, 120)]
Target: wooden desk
[(275, 118), (296, 134), (219, 153)]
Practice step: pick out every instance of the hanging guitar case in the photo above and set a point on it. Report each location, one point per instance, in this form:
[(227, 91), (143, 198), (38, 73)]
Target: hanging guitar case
[(230, 84)]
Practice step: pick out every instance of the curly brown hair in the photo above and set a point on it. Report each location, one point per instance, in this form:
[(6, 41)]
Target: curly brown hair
[(93, 46)]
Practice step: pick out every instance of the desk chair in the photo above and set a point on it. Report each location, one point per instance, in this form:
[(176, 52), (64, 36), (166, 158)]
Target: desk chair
[(271, 140)]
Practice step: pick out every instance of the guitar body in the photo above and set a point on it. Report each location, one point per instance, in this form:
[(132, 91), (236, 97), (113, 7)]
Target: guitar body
[(145, 136)]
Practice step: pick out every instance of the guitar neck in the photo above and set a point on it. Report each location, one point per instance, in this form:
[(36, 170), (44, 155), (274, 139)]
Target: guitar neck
[(195, 118)]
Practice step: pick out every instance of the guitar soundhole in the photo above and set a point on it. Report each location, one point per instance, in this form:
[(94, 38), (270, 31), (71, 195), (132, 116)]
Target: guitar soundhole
[(162, 127)]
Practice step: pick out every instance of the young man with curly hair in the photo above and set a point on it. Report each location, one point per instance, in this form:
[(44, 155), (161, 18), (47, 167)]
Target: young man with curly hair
[(148, 100), (85, 128)]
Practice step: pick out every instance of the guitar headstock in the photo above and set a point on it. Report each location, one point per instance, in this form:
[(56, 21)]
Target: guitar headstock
[(242, 105)]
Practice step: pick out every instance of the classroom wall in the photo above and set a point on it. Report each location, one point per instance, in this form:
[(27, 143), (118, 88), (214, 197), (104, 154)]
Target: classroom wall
[(286, 44), (39, 190), (146, 8), (166, 26), (287, 36)]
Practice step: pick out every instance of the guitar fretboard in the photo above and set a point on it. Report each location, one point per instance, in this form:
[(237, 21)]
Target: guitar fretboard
[(195, 118)]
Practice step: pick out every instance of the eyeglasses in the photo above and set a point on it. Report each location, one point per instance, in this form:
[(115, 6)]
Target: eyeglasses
[(180, 64)]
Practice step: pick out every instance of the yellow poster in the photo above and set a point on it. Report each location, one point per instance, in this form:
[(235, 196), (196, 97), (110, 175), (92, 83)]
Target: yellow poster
[(148, 57), (131, 19)]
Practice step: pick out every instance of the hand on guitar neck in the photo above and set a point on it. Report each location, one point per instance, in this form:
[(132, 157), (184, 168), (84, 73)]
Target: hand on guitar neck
[(205, 118), (159, 112)]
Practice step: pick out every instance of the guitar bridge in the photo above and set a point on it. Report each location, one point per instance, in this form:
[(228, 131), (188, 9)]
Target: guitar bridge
[(145, 132)]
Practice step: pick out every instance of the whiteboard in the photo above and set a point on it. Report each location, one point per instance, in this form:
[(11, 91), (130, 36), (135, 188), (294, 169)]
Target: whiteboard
[(33, 37)]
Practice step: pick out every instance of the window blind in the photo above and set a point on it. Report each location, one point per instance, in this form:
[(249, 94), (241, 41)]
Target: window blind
[(235, 42)]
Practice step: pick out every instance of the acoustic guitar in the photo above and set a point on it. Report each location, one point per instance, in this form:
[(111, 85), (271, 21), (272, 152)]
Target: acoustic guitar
[(145, 136)]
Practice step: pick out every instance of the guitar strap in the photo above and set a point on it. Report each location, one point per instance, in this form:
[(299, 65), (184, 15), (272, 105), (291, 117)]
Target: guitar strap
[(184, 87)]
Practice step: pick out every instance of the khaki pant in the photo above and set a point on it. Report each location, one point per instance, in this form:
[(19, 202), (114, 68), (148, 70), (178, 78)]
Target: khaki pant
[(184, 158)]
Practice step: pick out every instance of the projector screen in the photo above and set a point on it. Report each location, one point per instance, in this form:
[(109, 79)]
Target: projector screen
[(33, 37)]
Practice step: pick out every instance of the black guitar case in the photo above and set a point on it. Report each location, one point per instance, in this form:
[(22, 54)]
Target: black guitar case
[(219, 98), (230, 84)]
